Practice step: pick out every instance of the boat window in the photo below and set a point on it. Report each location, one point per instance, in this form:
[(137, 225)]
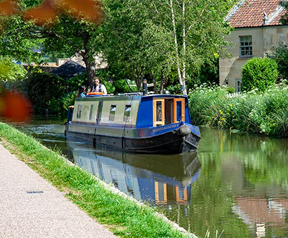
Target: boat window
[(112, 112), (79, 110), (127, 113), (179, 111), (91, 110), (159, 111)]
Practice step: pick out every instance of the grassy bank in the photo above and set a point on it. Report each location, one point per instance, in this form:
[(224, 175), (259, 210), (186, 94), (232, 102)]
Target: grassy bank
[(123, 216), (265, 113)]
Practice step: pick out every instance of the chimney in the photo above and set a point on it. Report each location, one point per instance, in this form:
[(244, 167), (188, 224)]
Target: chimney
[(145, 91)]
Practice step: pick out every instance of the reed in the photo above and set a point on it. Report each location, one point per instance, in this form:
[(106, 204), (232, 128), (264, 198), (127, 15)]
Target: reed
[(261, 113)]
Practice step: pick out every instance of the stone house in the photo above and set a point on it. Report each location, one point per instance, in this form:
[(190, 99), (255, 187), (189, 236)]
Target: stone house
[(257, 31)]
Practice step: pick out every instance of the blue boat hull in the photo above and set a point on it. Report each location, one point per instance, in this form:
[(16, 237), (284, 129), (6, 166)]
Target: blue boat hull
[(169, 142)]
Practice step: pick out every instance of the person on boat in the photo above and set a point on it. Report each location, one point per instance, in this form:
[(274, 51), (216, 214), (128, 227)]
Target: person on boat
[(99, 87), (81, 92)]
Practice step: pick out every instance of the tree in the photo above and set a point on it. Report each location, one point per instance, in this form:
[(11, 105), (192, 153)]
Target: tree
[(53, 27), (70, 37), (123, 41), (9, 71), (280, 55), (162, 37), (16, 40), (284, 18)]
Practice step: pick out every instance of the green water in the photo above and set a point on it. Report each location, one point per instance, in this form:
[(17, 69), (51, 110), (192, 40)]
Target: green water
[(236, 184), (242, 189)]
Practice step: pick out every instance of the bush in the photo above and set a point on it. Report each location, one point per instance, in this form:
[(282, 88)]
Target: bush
[(122, 87), (280, 55), (231, 90), (75, 82), (45, 90), (259, 73)]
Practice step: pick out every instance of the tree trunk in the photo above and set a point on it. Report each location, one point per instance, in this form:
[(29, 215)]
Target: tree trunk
[(138, 80), (88, 59), (184, 50), (90, 70), (161, 85), (155, 85), (182, 83)]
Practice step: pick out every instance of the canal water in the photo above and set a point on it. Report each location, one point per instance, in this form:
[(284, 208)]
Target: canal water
[(235, 184)]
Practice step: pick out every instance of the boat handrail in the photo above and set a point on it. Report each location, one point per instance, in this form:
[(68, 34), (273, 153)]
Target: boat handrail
[(130, 94)]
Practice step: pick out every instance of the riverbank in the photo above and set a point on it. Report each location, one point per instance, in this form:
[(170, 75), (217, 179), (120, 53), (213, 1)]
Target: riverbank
[(122, 215)]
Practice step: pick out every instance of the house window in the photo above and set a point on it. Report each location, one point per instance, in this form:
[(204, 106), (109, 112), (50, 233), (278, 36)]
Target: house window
[(245, 46), (238, 85), (112, 112), (127, 113)]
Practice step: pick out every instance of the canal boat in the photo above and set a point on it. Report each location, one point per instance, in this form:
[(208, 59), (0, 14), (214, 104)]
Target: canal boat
[(135, 122)]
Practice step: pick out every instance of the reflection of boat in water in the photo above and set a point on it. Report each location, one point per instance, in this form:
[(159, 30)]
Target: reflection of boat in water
[(159, 179)]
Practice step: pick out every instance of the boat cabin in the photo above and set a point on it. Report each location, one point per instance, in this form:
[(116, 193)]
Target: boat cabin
[(132, 111)]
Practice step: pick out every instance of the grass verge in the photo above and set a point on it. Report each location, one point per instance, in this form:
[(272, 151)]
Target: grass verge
[(123, 216)]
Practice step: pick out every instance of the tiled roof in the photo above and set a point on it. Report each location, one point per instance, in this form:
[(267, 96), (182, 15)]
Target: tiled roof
[(250, 13)]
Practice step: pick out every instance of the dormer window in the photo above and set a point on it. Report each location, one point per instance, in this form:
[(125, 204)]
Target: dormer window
[(245, 46)]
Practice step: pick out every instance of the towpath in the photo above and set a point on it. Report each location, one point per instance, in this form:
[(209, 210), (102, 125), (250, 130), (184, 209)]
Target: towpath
[(32, 207)]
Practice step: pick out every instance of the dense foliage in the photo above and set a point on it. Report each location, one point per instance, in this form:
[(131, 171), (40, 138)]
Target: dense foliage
[(9, 71), (280, 55), (38, 27), (262, 113), (284, 17), (46, 91), (259, 73), (163, 40), (16, 41)]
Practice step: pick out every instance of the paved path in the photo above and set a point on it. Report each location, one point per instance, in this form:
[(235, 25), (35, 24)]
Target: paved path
[(31, 207)]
